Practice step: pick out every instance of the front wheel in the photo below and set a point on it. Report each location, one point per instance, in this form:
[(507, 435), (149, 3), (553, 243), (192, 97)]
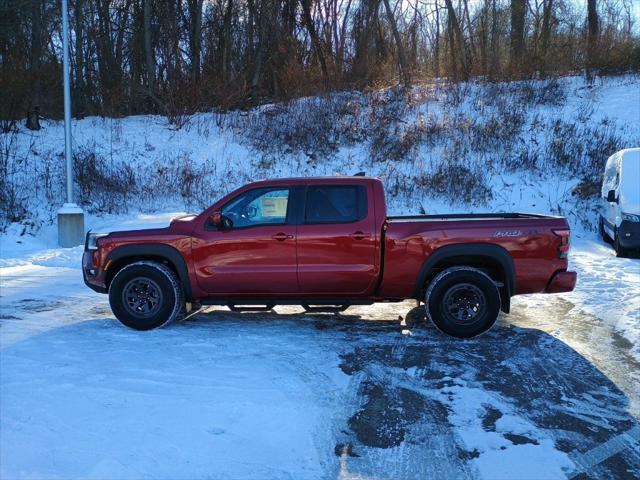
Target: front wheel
[(146, 295), (621, 252), (462, 302), (603, 233)]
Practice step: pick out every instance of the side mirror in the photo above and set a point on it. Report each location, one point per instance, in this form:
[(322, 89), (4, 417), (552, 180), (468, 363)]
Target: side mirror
[(611, 197), (220, 221)]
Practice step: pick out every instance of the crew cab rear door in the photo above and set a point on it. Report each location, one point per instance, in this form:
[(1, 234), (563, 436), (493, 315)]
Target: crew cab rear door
[(337, 241), (257, 255)]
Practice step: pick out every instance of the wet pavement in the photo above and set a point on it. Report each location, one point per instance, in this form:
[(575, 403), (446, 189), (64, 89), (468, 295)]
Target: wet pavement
[(556, 368), (549, 392)]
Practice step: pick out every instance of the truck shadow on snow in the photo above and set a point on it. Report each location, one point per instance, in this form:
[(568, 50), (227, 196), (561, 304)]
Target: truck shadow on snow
[(416, 403)]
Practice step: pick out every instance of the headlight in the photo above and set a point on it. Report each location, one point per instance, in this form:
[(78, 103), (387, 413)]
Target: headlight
[(92, 240), (630, 217)]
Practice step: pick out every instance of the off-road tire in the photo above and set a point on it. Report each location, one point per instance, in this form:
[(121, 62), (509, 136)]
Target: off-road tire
[(171, 304), (477, 292)]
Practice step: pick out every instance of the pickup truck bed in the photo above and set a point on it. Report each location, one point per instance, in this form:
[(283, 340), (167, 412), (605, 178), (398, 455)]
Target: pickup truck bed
[(465, 216), (328, 241)]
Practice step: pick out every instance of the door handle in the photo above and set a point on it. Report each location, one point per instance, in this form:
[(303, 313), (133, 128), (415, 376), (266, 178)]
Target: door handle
[(281, 237), (359, 235)]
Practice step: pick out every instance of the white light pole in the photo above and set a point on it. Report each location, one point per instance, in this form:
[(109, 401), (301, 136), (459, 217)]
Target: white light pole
[(70, 216)]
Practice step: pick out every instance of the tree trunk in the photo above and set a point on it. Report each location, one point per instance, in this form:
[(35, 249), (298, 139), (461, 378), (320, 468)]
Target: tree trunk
[(261, 52), (343, 40), (436, 48), (494, 41), (457, 42), (472, 45), (33, 114), (402, 59), (79, 84), (225, 47), (518, 11), (546, 29), (306, 13), (592, 36), (148, 49), (484, 37), (195, 36)]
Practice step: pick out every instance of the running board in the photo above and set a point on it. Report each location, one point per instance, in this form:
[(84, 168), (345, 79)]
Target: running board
[(250, 308), (312, 308)]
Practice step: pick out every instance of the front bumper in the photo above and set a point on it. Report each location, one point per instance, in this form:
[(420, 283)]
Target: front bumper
[(629, 234), (562, 281), (93, 276)]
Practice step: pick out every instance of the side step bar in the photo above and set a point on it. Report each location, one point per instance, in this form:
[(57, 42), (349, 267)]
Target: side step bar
[(250, 308), (311, 308)]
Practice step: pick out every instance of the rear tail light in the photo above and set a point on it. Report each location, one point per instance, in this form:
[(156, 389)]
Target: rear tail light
[(563, 248)]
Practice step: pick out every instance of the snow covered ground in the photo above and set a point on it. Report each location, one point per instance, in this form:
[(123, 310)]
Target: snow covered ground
[(554, 389), (286, 395)]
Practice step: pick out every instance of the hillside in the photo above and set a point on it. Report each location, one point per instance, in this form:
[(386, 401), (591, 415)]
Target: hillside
[(529, 146)]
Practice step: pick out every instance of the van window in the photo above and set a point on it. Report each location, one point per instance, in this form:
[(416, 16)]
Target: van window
[(335, 204), (610, 178)]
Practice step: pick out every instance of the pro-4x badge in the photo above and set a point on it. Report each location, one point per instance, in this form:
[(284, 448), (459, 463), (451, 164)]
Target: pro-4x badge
[(508, 233)]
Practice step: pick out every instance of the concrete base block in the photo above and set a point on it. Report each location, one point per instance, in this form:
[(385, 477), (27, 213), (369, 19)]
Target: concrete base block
[(70, 225)]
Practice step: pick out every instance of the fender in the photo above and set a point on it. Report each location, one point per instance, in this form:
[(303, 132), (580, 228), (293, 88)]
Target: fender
[(476, 250), (156, 250)]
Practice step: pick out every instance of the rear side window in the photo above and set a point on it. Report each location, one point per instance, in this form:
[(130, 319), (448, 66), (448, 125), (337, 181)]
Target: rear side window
[(335, 204)]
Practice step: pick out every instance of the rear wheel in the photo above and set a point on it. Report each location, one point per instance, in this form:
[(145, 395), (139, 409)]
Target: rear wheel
[(462, 302), (146, 295)]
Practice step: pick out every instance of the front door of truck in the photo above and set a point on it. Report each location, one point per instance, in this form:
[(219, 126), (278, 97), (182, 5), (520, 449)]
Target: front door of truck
[(254, 256), (337, 241)]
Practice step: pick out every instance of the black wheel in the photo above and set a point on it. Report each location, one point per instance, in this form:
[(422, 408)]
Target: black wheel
[(462, 302), (621, 252), (146, 295), (603, 234)]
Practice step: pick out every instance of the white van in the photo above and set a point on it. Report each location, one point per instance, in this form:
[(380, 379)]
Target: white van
[(620, 211)]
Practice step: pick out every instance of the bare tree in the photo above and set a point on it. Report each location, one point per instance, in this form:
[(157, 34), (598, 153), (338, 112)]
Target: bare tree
[(79, 63), (518, 11), (33, 114), (402, 58), (195, 36), (545, 35), (225, 41), (592, 35), (174, 56), (456, 43), (315, 41), (148, 49)]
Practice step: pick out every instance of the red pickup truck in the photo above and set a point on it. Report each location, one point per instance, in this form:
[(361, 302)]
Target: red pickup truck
[(326, 244)]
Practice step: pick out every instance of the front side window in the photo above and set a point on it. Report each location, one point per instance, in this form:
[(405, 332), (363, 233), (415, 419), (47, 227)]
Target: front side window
[(262, 206), (335, 204)]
